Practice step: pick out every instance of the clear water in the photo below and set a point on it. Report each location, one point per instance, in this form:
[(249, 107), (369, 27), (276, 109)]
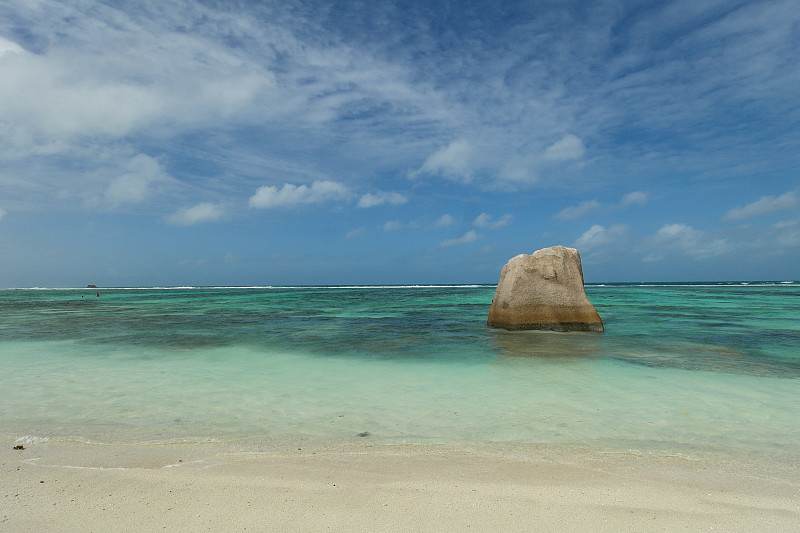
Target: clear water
[(680, 368)]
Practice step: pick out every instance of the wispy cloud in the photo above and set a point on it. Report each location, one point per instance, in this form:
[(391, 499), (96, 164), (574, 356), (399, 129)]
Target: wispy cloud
[(134, 185), (380, 198), (468, 237), (573, 212), (764, 205), (355, 232), (598, 237), (393, 225), (686, 240), (569, 147), (270, 196), (592, 206), (634, 198), (198, 214), (9, 47), (76, 93), (788, 233), (444, 221), (454, 161), (485, 220)]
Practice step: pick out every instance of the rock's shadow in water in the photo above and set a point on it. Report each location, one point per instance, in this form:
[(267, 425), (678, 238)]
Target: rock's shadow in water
[(546, 344)]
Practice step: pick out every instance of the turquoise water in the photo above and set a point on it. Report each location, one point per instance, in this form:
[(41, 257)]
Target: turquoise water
[(680, 368)]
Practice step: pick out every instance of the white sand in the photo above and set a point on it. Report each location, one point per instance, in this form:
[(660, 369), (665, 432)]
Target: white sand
[(180, 487)]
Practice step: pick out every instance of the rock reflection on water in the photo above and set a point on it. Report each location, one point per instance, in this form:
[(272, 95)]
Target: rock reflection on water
[(546, 344)]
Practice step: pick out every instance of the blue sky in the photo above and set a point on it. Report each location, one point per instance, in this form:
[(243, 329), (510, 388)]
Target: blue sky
[(310, 142)]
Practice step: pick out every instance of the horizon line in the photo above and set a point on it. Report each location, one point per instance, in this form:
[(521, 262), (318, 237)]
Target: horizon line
[(405, 285)]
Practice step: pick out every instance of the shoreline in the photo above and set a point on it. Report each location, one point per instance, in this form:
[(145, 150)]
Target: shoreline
[(71, 486)]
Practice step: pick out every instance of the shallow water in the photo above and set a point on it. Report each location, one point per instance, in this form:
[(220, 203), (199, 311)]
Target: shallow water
[(680, 368)]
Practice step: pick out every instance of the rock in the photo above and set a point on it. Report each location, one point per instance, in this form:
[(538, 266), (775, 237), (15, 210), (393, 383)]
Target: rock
[(91, 286), (543, 291)]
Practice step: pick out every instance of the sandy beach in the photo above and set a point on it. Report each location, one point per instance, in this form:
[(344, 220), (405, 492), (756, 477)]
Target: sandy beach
[(66, 486)]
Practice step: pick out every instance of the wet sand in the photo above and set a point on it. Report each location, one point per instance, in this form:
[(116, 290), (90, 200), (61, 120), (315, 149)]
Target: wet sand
[(68, 486)]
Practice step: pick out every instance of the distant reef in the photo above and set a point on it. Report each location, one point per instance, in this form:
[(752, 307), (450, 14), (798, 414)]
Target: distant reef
[(543, 291)]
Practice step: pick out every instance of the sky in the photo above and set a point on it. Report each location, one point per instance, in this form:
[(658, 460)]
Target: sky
[(155, 143)]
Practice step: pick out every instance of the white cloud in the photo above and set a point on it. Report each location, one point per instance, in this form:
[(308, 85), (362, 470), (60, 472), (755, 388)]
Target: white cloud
[(482, 220), (519, 169), (80, 90), (392, 225), (269, 196), (453, 162), (569, 147), (591, 206), (200, 213), (573, 212), (599, 237), (634, 198), (485, 220), (444, 221), (372, 200), (685, 239), (788, 233), (356, 232), (9, 47), (763, 206), (468, 237), (591, 236), (504, 220), (133, 186)]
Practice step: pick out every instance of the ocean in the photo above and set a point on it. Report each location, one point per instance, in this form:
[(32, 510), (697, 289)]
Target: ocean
[(681, 368)]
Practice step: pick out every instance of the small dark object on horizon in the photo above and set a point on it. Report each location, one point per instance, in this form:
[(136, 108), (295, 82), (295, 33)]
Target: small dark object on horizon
[(91, 286), (19, 447), (364, 434)]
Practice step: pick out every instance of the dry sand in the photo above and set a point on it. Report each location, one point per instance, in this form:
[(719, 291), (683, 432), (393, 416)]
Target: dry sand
[(63, 486)]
